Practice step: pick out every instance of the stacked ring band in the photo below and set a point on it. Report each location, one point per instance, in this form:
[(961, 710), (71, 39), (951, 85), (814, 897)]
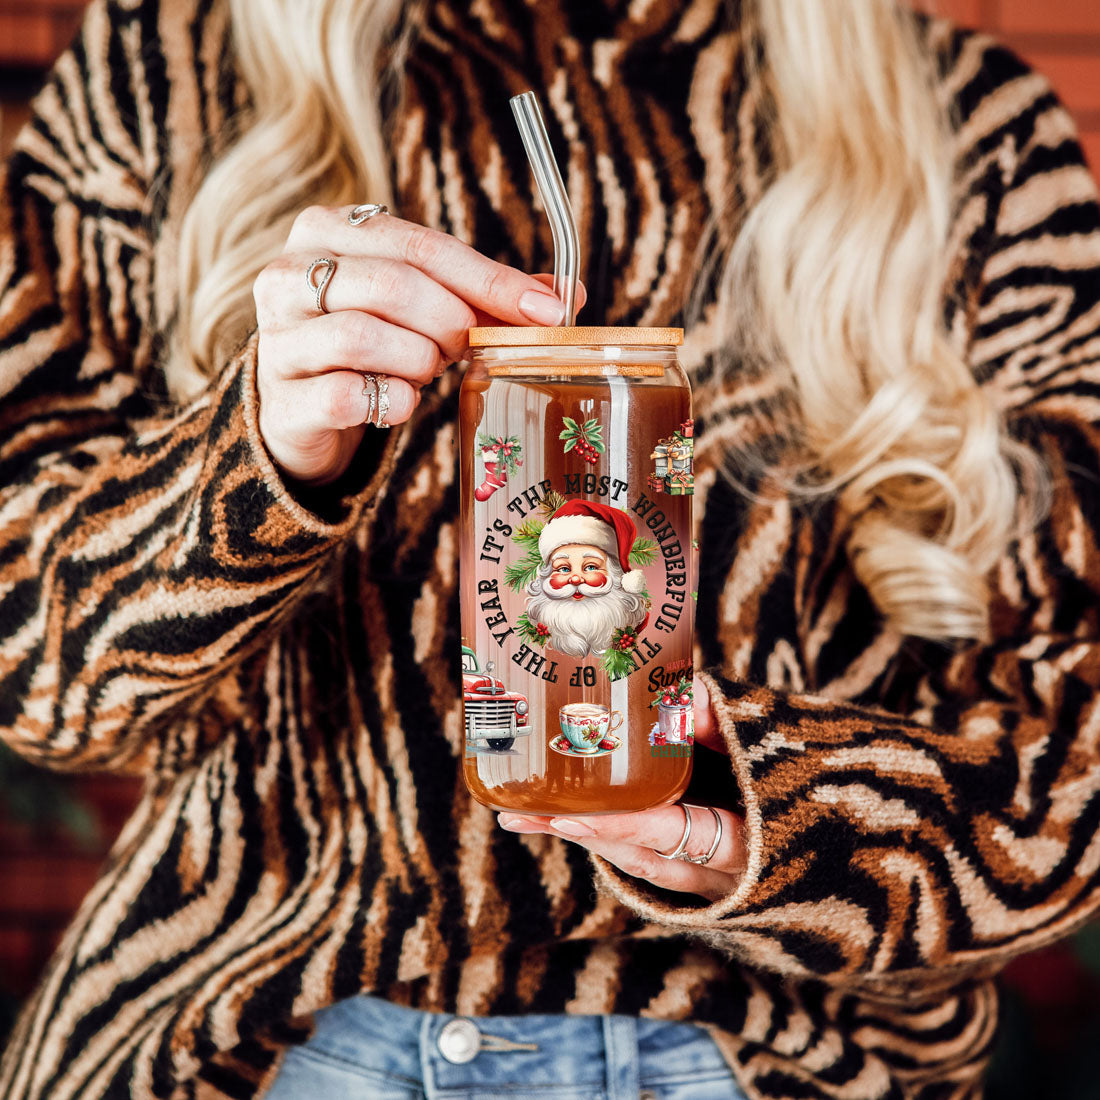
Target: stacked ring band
[(370, 391), (383, 403), (679, 851), (377, 391)]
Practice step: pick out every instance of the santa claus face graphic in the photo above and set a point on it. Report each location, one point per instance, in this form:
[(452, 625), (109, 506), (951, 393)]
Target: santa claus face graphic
[(580, 592), (582, 570)]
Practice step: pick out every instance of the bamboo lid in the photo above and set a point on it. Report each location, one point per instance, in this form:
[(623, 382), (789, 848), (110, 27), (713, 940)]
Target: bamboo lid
[(561, 336)]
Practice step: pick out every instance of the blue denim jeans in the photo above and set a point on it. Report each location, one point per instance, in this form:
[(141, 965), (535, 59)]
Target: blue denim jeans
[(368, 1049)]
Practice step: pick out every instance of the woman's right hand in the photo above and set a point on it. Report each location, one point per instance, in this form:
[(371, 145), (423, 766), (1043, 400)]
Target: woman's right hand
[(399, 304)]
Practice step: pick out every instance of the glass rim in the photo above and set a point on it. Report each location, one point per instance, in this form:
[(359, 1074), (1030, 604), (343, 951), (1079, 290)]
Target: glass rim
[(536, 336)]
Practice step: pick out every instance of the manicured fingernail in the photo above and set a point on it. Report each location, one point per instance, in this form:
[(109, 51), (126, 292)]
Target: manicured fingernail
[(543, 309), (571, 828), (518, 824)]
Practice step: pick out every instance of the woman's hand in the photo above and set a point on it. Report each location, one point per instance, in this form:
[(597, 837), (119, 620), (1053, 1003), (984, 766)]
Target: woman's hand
[(632, 841), (399, 304)]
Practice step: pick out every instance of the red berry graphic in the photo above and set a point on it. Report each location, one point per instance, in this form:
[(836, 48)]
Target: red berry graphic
[(586, 438), (685, 699), (667, 700), (607, 744)]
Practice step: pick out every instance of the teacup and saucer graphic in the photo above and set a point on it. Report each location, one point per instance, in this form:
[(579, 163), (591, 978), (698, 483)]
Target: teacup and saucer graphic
[(587, 730)]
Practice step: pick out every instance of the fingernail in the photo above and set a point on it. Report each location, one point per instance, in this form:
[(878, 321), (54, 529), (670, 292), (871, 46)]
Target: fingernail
[(571, 828), (543, 309), (518, 824)]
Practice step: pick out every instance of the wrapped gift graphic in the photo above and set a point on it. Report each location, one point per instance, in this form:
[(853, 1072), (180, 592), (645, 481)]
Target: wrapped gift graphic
[(660, 460), (673, 462), (680, 456), (681, 484)]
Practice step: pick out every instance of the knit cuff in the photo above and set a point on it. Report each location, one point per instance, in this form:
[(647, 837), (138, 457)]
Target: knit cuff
[(328, 511)]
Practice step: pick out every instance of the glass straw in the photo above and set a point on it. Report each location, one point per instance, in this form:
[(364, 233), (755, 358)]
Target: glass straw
[(563, 227)]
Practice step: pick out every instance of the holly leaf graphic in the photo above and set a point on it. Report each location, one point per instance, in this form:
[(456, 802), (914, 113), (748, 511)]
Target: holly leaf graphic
[(617, 664), (528, 631)]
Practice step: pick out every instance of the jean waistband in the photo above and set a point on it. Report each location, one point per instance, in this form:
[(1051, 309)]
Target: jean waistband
[(614, 1055)]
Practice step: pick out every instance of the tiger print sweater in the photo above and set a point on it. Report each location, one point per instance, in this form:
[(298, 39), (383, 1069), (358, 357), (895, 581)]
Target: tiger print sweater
[(281, 669)]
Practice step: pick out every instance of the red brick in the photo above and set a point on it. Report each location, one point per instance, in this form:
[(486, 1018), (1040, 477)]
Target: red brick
[(35, 37), (28, 40), (1076, 77), (1052, 17), (44, 8), (1091, 141)]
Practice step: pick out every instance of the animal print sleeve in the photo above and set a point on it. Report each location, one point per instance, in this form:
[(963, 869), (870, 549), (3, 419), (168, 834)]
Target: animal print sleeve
[(967, 829), (142, 553)]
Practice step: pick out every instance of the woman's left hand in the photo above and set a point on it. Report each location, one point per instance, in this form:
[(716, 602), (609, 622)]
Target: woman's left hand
[(632, 841)]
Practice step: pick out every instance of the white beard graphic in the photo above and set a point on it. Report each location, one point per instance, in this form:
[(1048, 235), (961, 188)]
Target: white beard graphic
[(578, 627)]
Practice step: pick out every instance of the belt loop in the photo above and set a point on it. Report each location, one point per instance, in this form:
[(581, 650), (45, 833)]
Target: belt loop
[(620, 1038), (427, 1053)]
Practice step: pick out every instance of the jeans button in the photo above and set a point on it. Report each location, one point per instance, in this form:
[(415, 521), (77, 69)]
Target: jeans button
[(647, 1094), (459, 1041)]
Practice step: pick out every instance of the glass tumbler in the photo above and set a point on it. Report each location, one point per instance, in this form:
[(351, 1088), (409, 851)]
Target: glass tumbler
[(577, 594)]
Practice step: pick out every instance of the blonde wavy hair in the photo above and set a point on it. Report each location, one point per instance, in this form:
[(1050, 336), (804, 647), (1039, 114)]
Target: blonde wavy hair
[(834, 277)]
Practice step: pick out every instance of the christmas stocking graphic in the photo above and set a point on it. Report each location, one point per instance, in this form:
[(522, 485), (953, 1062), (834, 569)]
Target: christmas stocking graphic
[(501, 457), (493, 479)]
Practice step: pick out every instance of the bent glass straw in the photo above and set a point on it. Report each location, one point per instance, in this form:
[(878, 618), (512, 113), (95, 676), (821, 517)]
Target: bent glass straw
[(532, 130)]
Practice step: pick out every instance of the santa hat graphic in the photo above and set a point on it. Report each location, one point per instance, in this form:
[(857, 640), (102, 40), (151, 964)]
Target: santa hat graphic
[(587, 523)]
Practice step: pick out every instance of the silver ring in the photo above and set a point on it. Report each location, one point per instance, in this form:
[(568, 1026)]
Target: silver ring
[(383, 403), (679, 851), (370, 391), (365, 211), (702, 860), (319, 288), (377, 392)]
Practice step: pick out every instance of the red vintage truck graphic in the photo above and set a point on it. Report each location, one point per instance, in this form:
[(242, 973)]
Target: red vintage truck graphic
[(494, 716)]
